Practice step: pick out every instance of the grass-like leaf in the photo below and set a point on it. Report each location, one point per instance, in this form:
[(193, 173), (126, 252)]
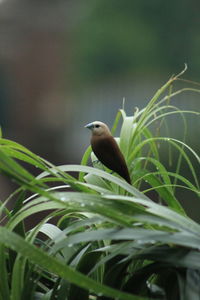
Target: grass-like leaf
[(100, 236)]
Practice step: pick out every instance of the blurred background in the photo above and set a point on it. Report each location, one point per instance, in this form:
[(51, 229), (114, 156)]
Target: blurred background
[(65, 63)]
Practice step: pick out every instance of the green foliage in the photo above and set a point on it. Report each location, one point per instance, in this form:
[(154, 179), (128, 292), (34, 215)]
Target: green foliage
[(111, 240), (117, 38)]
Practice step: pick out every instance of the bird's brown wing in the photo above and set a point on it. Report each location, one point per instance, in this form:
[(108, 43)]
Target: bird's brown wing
[(108, 152)]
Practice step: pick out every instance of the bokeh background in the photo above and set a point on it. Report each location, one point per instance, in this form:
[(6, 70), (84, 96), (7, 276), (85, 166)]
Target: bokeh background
[(65, 63)]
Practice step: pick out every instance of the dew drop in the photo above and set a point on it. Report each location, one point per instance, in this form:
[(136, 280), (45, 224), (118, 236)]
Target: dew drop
[(140, 242), (152, 241), (82, 204), (70, 245)]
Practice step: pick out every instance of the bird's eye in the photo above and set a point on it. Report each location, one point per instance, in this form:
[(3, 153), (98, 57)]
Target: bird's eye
[(97, 126)]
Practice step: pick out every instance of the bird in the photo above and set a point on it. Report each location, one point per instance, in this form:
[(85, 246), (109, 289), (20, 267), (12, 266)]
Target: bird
[(107, 150)]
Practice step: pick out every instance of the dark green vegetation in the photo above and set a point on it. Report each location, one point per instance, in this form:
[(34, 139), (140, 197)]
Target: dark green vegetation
[(118, 38), (109, 240)]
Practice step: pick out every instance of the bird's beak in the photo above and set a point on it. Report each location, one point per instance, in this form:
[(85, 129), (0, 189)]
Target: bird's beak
[(89, 126)]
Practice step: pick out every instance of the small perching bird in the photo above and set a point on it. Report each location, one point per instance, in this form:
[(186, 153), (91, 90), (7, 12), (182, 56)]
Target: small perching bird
[(107, 150)]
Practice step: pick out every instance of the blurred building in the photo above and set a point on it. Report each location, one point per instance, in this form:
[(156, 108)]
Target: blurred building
[(34, 37)]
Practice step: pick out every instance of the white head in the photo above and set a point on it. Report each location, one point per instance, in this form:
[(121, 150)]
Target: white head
[(98, 128)]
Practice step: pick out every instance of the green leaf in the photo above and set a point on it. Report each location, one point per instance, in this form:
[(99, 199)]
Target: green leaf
[(4, 283), (49, 263), (90, 170)]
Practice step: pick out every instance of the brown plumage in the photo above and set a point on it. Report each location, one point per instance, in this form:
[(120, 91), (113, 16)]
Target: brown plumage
[(107, 150)]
